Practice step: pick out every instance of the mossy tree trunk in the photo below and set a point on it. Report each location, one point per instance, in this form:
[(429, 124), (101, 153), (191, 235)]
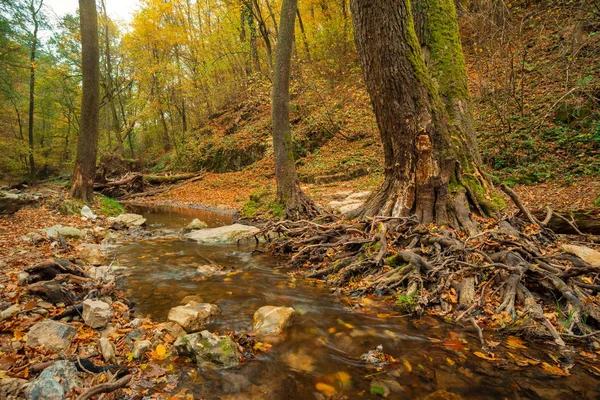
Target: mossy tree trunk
[(431, 167), (297, 204), (87, 145)]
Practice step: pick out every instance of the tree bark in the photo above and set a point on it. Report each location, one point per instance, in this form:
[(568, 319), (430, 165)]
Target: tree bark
[(297, 204), (431, 171), (87, 145), (32, 67)]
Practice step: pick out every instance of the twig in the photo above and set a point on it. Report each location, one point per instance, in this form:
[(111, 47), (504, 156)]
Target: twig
[(515, 198), (582, 336), (478, 329), (105, 388)]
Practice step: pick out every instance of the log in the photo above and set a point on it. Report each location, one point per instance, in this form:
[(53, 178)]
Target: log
[(48, 270), (586, 221), (160, 179)]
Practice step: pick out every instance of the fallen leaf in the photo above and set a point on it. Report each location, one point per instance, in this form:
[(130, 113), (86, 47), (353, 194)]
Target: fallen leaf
[(554, 370), (515, 343), (326, 389), (485, 357)]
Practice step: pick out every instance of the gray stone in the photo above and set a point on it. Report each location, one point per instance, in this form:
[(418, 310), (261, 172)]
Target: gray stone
[(10, 203), (140, 347), (223, 234), (108, 350), (193, 316), (10, 312), (271, 320), (67, 232), (56, 380), (54, 336), (69, 207), (96, 313), (12, 388), (209, 350), (33, 237), (22, 278), (130, 220), (87, 212), (195, 225), (172, 328)]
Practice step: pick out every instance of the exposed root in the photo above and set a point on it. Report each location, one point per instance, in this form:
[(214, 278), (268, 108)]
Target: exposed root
[(510, 267)]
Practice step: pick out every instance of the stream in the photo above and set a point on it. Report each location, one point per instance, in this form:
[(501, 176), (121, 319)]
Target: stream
[(318, 356)]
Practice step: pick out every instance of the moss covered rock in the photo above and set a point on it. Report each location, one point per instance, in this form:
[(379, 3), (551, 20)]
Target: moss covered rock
[(209, 350)]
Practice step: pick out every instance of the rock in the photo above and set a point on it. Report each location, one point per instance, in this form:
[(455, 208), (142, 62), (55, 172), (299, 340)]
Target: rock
[(223, 234), (10, 312), (56, 380), (235, 383), (102, 274), (209, 350), (54, 336), (195, 225), (193, 316), (87, 212), (588, 255), (171, 327), (67, 232), (69, 207), (108, 350), (271, 320), (140, 347), (129, 220), (33, 237), (211, 270), (22, 278), (193, 297), (10, 203), (96, 313), (92, 254), (350, 203)]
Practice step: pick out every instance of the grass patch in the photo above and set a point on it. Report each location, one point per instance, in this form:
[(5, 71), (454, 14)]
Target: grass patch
[(110, 207), (262, 203)]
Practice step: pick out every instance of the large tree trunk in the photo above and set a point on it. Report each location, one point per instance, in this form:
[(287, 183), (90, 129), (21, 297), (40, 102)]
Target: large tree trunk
[(87, 146), (288, 186), (431, 170)]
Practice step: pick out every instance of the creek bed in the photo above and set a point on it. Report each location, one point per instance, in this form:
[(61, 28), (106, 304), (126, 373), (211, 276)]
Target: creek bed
[(318, 354)]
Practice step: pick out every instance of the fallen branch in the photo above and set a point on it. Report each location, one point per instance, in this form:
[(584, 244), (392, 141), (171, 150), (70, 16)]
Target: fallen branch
[(105, 388)]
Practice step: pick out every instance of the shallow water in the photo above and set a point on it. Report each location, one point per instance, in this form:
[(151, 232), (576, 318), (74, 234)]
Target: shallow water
[(318, 355)]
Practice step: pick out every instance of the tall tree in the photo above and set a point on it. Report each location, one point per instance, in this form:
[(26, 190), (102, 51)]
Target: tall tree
[(288, 186), (431, 167), (87, 146), (34, 12)]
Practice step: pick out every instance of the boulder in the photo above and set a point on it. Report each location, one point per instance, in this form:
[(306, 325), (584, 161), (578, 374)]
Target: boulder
[(69, 207), (33, 237), (10, 312), (54, 336), (130, 220), (108, 350), (10, 203), (223, 234), (193, 316), (67, 232), (96, 313), (209, 350), (195, 225), (271, 320), (52, 384), (140, 347)]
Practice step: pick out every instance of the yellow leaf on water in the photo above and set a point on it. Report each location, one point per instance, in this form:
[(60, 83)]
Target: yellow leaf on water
[(481, 355), (343, 378), (326, 389), (407, 365), (450, 361)]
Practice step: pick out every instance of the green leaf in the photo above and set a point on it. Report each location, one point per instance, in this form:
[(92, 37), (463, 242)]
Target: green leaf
[(377, 390)]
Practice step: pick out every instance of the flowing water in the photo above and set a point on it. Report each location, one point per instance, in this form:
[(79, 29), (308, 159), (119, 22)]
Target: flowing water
[(319, 355)]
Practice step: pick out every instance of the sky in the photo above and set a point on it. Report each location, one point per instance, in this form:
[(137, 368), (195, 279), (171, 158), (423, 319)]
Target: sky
[(116, 9)]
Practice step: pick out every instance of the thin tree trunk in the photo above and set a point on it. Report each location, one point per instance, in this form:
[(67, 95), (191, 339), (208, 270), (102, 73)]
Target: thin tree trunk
[(304, 40), (87, 145), (429, 172), (288, 187), (32, 67)]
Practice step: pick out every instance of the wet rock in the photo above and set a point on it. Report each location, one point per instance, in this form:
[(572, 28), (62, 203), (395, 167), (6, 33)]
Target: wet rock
[(172, 328), (96, 313), (195, 225), (193, 316), (211, 270), (271, 320), (235, 383), (92, 254), (87, 212), (193, 297), (108, 350), (223, 234), (12, 388), (10, 312), (54, 336), (33, 237), (130, 220), (56, 380), (67, 232), (140, 347), (209, 350), (69, 207), (10, 203), (374, 356), (300, 361)]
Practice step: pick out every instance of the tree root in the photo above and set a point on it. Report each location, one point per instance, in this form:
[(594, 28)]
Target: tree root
[(508, 268)]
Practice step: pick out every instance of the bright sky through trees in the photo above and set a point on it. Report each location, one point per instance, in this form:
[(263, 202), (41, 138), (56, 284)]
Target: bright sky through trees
[(120, 9)]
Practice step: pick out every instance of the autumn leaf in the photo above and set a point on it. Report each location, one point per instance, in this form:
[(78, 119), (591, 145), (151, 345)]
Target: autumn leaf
[(160, 353), (515, 343), (554, 370), (485, 357)]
